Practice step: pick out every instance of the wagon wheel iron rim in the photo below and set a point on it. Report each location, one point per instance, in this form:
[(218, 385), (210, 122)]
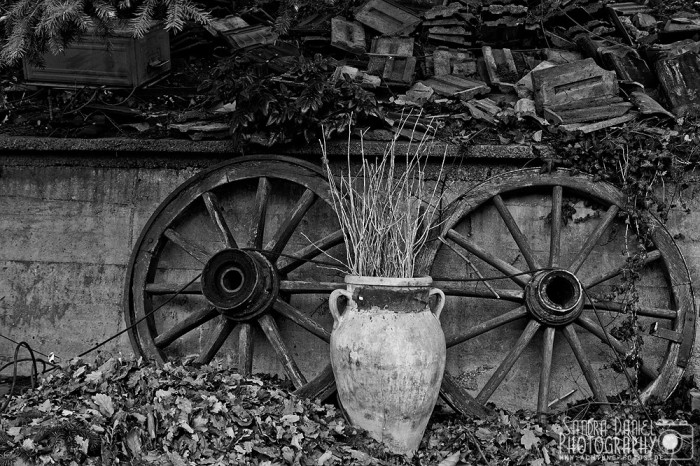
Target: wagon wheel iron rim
[(554, 300), (245, 282)]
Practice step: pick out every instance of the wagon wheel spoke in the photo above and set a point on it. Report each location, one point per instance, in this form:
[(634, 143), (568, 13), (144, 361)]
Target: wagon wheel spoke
[(586, 367), (546, 372), (245, 349), (516, 233), (514, 273), (460, 400), (555, 236), (272, 333), (321, 387), (220, 335), (612, 306), (616, 344), (217, 217), (592, 240), (471, 332), (190, 247), (288, 264), (497, 378), (551, 301), (451, 288), (191, 322), (242, 278), (296, 316), (291, 222), (261, 197), (174, 288), (652, 256), (307, 287)]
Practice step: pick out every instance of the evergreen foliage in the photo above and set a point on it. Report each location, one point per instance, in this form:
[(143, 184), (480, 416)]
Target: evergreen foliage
[(29, 28)]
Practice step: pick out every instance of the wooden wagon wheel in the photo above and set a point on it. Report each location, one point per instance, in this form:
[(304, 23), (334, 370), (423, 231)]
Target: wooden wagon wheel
[(515, 224), (229, 249)]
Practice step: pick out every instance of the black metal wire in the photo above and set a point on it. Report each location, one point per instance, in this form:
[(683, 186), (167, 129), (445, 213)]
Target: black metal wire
[(14, 372), (17, 343), (149, 314)]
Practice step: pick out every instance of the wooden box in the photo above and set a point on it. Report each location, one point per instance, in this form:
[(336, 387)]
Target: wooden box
[(94, 61)]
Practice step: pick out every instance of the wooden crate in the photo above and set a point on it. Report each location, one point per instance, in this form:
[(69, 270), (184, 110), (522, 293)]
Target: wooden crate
[(125, 62)]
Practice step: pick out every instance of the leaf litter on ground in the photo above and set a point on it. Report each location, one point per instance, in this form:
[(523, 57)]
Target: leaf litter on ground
[(126, 411)]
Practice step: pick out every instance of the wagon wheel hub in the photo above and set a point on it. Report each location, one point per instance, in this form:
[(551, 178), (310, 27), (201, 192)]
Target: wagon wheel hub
[(554, 297), (241, 284)]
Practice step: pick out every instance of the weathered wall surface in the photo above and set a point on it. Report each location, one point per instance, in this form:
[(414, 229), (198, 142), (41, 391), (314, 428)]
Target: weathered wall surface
[(69, 224)]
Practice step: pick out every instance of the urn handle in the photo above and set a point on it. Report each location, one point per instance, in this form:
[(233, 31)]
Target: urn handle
[(333, 304), (440, 302)]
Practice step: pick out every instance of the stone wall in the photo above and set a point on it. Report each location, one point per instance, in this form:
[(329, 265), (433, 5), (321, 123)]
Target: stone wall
[(70, 218)]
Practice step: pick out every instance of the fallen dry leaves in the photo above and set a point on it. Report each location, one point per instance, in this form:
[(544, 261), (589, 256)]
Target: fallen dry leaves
[(125, 411)]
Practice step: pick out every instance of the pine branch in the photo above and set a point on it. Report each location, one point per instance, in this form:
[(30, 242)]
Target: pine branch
[(190, 11), (143, 20)]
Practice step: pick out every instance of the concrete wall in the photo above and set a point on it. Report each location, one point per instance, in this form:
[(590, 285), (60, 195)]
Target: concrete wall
[(69, 220)]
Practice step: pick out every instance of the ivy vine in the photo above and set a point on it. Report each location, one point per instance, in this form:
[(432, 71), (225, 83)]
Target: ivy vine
[(652, 166)]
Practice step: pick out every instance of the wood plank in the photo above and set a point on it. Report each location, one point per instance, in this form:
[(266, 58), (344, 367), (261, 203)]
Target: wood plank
[(399, 70), (500, 65), (587, 114), (628, 65), (445, 60), (589, 128), (452, 85), (348, 35), (648, 106), (456, 40), (393, 46), (443, 22), (679, 79), (448, 30), (387, 17), (569, 82), (444, 11)]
